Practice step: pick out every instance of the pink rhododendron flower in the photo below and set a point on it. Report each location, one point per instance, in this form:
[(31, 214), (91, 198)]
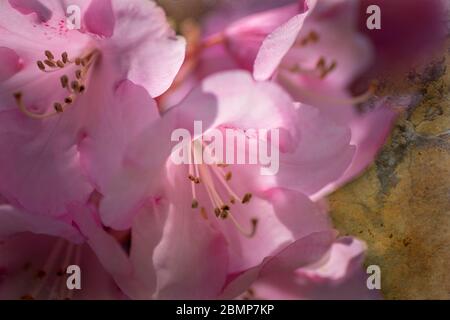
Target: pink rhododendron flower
[(232, 217), (74, 101)]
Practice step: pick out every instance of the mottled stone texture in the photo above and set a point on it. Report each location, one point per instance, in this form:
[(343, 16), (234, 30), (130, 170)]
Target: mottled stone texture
[(401, 205)]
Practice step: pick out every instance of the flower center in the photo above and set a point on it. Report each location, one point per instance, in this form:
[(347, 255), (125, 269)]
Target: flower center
[(211, 177), (75, 85), (50, 282)]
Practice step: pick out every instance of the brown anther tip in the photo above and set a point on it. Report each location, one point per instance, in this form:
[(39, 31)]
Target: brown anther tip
[(228, 176), (40, 65), (78, 74), (18, 95), (77, 61), (247, 198), (60, 64), (81, 89), (225, 207), (49, 55), (75, 85), (68, 100), (58, 107), (194, 204), (232, 200), (64, 81), (217, 212), (224, 214), (50, 63), (65, 57), (197, 180)]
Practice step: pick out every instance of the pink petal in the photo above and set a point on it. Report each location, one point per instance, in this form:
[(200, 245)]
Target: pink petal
[(322, 155), (191, 260), (245, 36), (276, 46), (10, 63), (150, 54), (13, 221), (99, 18)]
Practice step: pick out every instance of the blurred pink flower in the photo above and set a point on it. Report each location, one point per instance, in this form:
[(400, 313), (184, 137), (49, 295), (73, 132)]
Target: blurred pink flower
[(84, 96), (411, 34), (36, 251)]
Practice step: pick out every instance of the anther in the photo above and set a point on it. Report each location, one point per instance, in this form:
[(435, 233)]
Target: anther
[(225, 207), (78, 74), (81, 90), (18, 96), (254, 223), (217, 212), (49, 55), (68, 100), (65, 57), (247, 198), (224, 214), (60, 64), (75, 85), (194, 204), (64, 81), (77, 61), (50, 63), (228, 176), (41, 65), (58, 107)]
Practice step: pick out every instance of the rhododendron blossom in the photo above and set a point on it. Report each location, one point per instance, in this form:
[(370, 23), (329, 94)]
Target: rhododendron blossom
[(77, 99)]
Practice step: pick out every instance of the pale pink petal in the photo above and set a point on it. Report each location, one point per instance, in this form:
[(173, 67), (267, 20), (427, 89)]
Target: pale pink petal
[(109, 252), (10, 63), (191, 260), (338, 276), (244, 37), (146, 48), (276, 46), (99, 18), (323, 154), (303, 252), (13, 221)]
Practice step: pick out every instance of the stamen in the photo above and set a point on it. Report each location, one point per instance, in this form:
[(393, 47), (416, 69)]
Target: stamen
[(288, 82), (248, 234), (50, 63), (58, 107), (60, 64), (65, 57), (194, 204), (247, 198), (48, 266), (40, 65), (49, 55), (64, 81), (228, 176)]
